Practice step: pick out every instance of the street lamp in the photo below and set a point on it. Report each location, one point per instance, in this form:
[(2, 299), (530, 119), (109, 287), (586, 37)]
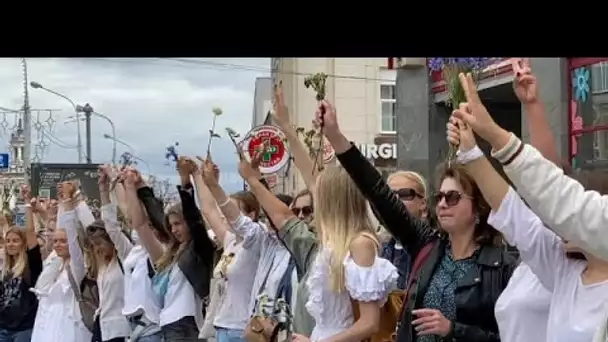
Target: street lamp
[(37, 85), (88, 109)]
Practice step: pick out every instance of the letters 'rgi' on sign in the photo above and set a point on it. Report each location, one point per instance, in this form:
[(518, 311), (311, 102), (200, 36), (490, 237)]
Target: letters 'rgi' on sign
[(383, 151)]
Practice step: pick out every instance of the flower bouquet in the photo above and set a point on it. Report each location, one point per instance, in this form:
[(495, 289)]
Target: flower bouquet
[(450, 68)]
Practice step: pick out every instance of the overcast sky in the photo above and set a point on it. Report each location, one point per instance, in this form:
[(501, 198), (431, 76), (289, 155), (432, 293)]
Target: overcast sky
[(153, 103)]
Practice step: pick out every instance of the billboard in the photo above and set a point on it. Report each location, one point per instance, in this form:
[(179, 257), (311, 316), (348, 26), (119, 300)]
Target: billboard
[(46, 176)]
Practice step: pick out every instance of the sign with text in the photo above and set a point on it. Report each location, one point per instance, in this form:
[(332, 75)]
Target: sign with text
[(382, 151), (4, 161), (45, 177)]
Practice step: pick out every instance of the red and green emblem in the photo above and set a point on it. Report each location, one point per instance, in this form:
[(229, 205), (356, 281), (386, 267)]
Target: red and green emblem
[(272, 139)]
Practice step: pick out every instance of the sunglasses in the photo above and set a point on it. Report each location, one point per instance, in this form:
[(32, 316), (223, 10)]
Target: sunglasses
[(407, 194), (452, 197), (306, 211)]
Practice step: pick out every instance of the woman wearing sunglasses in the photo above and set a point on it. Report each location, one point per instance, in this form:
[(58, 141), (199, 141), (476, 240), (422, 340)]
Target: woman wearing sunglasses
[(467, 268), (411, 188)]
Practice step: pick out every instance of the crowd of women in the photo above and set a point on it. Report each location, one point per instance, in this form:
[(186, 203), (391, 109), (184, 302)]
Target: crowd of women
[(256, 266)]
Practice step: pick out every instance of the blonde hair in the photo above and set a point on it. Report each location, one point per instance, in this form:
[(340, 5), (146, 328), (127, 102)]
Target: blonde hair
[(414, 177), (14, 266), (175, 248), (341, 215)]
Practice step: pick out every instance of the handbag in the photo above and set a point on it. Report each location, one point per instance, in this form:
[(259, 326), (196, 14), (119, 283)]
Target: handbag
[(88, 305), (266, 324)]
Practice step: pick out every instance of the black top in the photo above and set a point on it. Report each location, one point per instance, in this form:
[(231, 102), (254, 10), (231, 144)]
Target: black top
[(17, 304), (478, 289)]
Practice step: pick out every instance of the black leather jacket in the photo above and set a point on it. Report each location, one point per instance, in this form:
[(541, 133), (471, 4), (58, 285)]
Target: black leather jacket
[(476, 292), (197, 259)]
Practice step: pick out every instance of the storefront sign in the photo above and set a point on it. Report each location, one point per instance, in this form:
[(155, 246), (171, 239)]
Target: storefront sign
[(382, 151)]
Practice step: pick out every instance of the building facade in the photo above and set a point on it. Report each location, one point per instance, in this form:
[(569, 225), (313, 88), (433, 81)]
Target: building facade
[(262, 100), (363, 91), (574, 91)]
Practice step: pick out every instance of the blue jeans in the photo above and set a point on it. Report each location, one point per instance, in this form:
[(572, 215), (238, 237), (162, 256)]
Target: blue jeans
[(228, 335), (158, 337), (15, 336)]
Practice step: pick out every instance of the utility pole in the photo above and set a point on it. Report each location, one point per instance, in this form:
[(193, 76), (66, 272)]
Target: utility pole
[(88, 111), (27, 125)]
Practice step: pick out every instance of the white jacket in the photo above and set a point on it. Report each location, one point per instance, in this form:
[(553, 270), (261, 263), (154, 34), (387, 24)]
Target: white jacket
[(561, 203)]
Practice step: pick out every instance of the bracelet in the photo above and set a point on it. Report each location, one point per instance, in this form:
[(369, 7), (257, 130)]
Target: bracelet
[(225, 203), (465, 157)]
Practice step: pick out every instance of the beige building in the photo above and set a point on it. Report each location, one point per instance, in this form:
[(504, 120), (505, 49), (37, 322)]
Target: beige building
[(363, 91)]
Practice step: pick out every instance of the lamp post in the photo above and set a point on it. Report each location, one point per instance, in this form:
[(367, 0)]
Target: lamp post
[(88, 110), (37, 85)]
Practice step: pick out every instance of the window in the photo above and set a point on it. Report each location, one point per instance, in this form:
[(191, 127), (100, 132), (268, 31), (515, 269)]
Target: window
[(589, 114), (388, 101), (599, 77)]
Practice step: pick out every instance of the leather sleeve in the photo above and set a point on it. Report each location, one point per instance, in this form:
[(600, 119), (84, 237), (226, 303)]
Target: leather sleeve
[(390, 211), (470, 333), (154, 208), (194, 220)]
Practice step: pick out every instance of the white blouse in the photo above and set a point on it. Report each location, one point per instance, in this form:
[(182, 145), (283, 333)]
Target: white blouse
[(110, 281), (577, 310), (139, 297), (239, 271), (273, 256), (58, 318), (522, 310), (180, 300), (333, 312)]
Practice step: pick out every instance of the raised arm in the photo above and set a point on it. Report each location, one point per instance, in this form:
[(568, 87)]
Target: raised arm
[(410, 231), (209, 207), (109, 214), (539, 248), (230, 210), (559, 201), (30, 232), (301, 157), (135, 212), (68, 219), (526, 90)]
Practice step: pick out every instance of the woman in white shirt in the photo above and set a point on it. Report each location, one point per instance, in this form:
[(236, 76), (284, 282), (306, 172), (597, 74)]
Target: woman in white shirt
[(58, 318), (579, 288), (347, 268), (141, 306), (239, 263), (106, 269), (181, 305)]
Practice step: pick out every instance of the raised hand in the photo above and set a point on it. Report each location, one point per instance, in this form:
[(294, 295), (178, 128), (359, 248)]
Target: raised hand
[(280, 111), (326, 118), (524, 83), (474, 113), (459, 133), (26, 193), (251, 169), (211, 173), (105, 172)]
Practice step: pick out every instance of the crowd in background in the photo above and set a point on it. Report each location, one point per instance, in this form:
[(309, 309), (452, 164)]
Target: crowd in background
[(472, 257)]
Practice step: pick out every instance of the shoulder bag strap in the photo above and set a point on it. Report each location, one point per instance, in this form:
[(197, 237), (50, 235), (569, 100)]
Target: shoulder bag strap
[(414, 274), (263, 285), (73, 284)]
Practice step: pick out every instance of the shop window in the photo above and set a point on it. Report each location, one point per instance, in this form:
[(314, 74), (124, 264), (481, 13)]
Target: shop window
[(588, 113)]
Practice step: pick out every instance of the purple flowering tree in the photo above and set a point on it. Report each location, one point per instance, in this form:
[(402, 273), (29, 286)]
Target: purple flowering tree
[(450, 67)]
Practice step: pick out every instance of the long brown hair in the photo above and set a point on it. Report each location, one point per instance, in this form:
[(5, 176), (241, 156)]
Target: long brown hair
[(248, 203), (96, 230), (174, 248), (484, 233)]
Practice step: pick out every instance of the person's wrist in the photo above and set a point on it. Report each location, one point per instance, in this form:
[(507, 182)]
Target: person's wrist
[(499, 137), (332, 135), (532, 103)]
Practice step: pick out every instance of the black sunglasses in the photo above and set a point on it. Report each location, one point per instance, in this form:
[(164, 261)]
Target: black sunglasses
[(452, 197), (407, 194), (306, 210)]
